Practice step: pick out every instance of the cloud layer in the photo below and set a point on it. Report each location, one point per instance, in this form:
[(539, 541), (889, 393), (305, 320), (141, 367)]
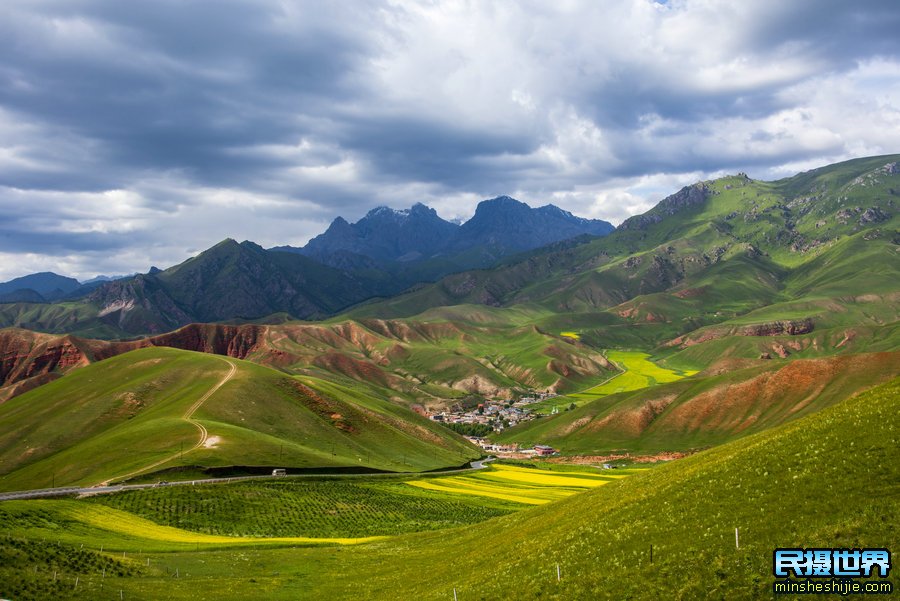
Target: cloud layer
[(134, 134)]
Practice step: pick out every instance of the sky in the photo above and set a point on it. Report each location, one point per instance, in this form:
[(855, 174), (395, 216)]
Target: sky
[(140, 133)]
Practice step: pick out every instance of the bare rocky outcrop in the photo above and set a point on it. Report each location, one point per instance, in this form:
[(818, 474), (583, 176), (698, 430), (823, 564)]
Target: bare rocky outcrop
[(778, 328), (25, 354), (37, 358), (789, 327), (687, 197), (232, 341)]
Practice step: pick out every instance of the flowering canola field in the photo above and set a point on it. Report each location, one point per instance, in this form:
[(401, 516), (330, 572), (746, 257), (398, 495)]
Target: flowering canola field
[(530, 486)]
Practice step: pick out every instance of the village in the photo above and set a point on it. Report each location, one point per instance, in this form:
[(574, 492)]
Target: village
[(496, 416)]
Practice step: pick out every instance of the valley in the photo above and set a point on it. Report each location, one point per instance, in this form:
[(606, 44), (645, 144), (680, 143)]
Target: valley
[(746, 330), (778, 487)]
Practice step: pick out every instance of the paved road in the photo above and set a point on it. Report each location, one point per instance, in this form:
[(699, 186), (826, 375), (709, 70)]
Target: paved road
[(104, 489), (480, 464)]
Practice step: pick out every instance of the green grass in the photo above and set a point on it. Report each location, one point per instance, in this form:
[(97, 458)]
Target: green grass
[(827, 480), (31, 569), (118, 416)]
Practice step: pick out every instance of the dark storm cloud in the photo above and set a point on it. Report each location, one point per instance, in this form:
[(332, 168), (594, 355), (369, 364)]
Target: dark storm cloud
[(172, 85), (59, 243), (170, 125), (841, 31), (442, 152)]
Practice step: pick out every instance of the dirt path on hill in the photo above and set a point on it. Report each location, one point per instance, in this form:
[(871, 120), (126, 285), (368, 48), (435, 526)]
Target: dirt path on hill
[(188, 417)]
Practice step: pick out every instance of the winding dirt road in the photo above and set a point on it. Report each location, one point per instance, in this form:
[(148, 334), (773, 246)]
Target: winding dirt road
[(188, 417)]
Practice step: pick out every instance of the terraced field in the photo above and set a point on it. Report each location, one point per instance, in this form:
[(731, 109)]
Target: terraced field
[(292, 512), (637, 372)]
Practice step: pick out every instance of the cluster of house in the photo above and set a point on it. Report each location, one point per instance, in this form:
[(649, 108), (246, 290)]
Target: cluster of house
[(497, 414)]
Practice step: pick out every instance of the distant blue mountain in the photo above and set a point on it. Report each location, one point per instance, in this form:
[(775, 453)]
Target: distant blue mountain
[(37, 287), (500, 227)]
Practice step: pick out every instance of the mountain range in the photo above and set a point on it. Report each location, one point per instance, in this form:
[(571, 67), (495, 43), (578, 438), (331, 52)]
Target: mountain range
[(37, 287), (500, 227), (48, 287), (381, 255), (775, 299), (712, 251), (731, 269)]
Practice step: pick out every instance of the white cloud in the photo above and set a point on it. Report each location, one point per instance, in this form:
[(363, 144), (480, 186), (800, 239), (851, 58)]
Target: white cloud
[(136, 135)]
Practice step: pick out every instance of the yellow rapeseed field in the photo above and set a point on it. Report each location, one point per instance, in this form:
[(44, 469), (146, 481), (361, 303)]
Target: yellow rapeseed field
[(521, 485), (122, 522), (478, 492), (545, 478)]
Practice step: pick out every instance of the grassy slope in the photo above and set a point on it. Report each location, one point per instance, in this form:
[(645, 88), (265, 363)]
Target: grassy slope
[(126, 412), (702, 411), (827, 480), (756, 249)]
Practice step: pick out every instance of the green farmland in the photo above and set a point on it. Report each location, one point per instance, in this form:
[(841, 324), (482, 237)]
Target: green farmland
[(356, 507), (521, 484), (140, 533)]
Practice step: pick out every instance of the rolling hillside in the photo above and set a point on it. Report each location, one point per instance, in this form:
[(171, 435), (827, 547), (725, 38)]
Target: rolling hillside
[(159, 408), (708, 409), (794, 486), (825, 480), (441, 355), (728, 249)]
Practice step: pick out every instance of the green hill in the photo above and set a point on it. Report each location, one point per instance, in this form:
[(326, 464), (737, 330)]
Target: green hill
[(732, 248), (159, 408), (825, 480), (435, 360), (707, 409)]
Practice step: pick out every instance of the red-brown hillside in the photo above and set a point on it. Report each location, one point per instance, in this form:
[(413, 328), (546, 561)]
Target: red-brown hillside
[(704, 411), (426, 360)]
